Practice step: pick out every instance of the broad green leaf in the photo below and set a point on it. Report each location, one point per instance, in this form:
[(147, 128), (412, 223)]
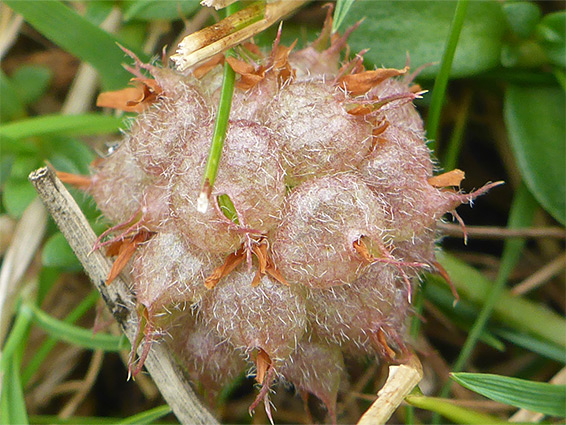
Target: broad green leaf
[(86, 124), (536, 120), (392, 29), (456, 414), (158, 9), (78, 36), (147, 417), (551, 33), (12, 403), (11, 106), (31, 82), (57, 253), (6, 162), (17, 195), (71, 151), (516, 312), (73, 334), (522, 17), (535, 396)]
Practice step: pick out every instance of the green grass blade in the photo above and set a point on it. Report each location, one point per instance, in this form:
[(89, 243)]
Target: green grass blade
[(73, 334), (84, 125), (516, 312), (456, 414), (147, 417), (340, 13), (16, 339), (78, 36), (41, 354), (535, 396), (441, 81), (534, 344), (12, 403), (521, 215)]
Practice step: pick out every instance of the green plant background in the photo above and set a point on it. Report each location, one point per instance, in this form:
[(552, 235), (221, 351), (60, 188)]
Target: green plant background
[(502, 117)]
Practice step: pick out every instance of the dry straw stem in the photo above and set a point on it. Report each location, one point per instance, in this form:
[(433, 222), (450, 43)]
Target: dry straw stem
[(164, 370), (493, 232), (401, 381), (231, 31)]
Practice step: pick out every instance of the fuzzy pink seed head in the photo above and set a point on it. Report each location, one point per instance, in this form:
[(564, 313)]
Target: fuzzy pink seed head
[(117, 184), (316, 367), (162, 134), (167, 272), (207, 358), (269, 316), (315, 134), (355, 313), (322, 219), (249, 174)]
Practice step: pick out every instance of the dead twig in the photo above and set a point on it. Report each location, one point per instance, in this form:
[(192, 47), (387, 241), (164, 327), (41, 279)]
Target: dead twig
[(231, 31), (402, 379), (493, 232), (540, 276), (168, 376)]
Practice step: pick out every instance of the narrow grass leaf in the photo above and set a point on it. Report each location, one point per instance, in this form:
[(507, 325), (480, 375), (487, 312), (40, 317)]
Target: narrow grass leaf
[(516, 312), (159, 9), (73, 334), (534, 344), (340, 13), (535, 396), (441, 81), (42, 352), (462, 315), (15, 340), (78, 36), (147, 417), (454, 413), (535, 119), (12, 404), (86, 124)]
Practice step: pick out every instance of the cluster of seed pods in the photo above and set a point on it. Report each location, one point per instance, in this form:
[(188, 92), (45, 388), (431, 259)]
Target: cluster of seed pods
[(320, 220)]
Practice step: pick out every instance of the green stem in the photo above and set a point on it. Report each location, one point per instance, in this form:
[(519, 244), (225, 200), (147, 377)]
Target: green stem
[(443, 76), (220, 127), (521, 215), (456, 140)]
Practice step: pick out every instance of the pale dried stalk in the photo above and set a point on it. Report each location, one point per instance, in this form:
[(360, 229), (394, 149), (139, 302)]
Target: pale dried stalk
[(209, 41), (401, 381), (160, 363), (493, 232), (25, 241), (540, 276)]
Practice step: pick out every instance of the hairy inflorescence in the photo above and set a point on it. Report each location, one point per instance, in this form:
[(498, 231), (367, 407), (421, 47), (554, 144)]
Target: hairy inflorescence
[(321, 218)]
